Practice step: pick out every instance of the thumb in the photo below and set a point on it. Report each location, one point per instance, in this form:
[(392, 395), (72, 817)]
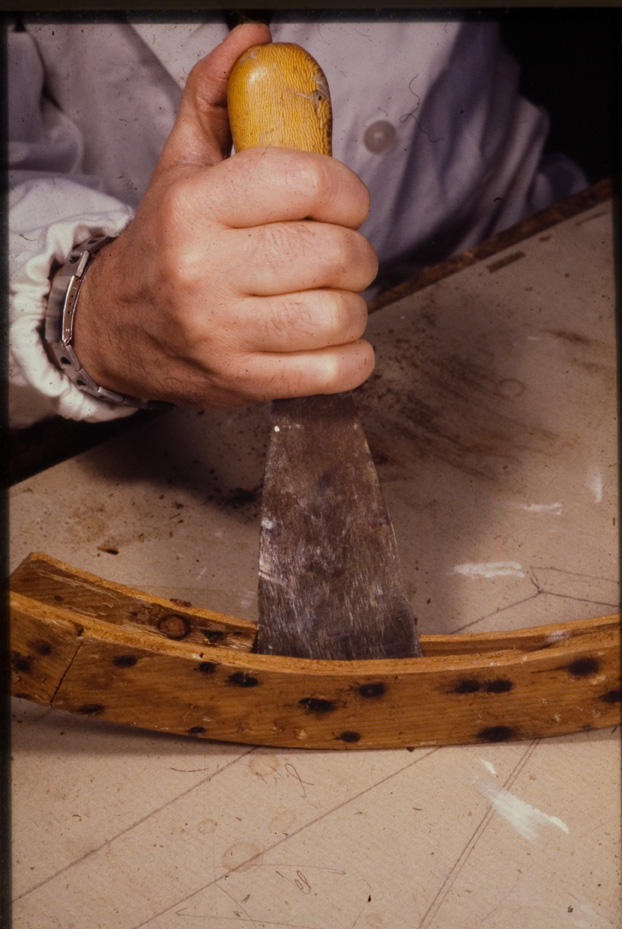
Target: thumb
[(201, 133)]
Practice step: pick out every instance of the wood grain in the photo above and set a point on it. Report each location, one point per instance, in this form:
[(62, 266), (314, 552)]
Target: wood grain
[(278, 95), (466, 689)]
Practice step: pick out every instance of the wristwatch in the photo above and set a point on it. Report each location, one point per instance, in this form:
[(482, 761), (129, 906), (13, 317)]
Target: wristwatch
[(59, 322)]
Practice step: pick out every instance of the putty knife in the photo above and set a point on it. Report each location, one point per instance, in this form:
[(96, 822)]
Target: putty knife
[(330, 582)]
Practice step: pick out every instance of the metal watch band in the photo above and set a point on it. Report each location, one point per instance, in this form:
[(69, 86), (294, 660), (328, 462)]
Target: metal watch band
[(59, 322)]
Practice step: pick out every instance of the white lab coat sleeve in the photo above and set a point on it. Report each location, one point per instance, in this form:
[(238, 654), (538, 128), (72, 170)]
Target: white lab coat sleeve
[(52, 207)]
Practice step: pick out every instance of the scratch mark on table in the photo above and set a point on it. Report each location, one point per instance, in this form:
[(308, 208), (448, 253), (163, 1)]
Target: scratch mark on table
[(231, 897), (281, 841), (134, 825), (445, 889), (588, 577), (541, 590), (502, 609), (302, 884), (360, 912), (413, 893)]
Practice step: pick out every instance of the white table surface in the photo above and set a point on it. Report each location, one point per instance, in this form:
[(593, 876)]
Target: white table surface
[(492, 416)]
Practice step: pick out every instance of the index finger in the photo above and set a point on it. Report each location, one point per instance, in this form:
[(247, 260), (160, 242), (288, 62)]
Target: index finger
[(266, 185)]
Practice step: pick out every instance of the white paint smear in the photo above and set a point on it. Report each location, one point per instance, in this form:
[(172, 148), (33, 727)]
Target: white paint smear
[(525, 818), (586, 916), (556, 636), (489, 766), (594, 483), (247, 598), (554, 508), (490, 569)]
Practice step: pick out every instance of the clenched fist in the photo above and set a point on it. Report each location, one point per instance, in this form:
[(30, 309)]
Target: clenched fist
[(238, 279)]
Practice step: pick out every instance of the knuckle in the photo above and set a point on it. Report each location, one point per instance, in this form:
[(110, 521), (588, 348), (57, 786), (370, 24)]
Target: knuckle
[(340, 186), (175, 203), (336, 314), (353, 256), (350, 370), (335, 249), (298, 180), (178, 255), (310, 174), (365, 203), (345, 316), (332, 181), (367, 268), (178, 278), (369, 258), (357, 316), (330, 376)]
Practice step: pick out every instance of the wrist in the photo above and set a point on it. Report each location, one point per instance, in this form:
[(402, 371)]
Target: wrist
[(60, 319)]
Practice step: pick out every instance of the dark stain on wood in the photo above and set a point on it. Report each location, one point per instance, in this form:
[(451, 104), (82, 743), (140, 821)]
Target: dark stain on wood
[(43, 648), (318, 705), (91, 709), (373, 691), (21, 663), (470, 685), (467, 686), (500, 686), (495, 734), (582, 667), (125, 661), (349, 736), (196, 730), (207, 667), (242, 679), (612, 696)]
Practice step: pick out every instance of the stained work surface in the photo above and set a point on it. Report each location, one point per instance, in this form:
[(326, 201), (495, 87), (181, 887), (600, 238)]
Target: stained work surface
[(492, 420)]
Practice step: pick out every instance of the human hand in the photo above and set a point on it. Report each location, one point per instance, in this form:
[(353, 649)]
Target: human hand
[(237, 281)]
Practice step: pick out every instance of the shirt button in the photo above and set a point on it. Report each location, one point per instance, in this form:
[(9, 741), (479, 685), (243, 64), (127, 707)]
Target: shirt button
[(379, 137)]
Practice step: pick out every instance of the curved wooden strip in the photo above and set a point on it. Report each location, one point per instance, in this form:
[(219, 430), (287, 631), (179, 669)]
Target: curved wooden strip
[(505, 686), (55, 583), (58, 584)]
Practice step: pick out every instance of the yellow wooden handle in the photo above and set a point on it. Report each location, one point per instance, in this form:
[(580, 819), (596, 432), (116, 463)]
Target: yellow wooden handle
[(278, 96)]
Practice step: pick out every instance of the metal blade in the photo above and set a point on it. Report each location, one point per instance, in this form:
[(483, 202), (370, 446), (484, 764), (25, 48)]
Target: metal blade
[(330, 583)]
